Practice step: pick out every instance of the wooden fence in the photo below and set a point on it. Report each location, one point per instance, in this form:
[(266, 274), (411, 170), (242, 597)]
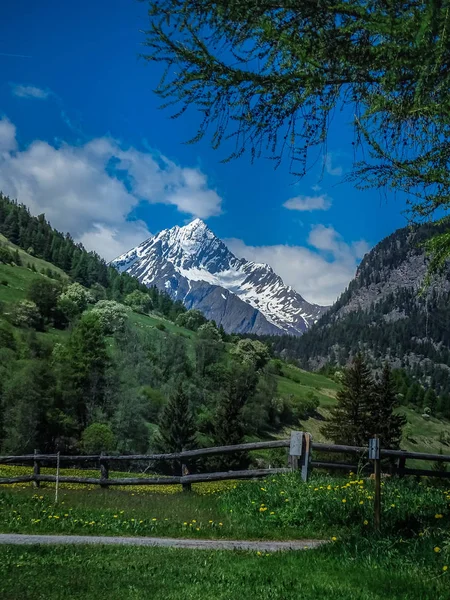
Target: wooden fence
[(301, 450)]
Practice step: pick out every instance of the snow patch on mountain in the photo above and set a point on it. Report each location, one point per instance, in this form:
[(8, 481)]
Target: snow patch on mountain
[(183, 260)]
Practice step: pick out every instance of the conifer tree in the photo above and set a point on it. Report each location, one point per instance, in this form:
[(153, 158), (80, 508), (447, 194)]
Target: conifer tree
[(229, 426), (350, 419), (84, 367), (383, 419), (177, 430)]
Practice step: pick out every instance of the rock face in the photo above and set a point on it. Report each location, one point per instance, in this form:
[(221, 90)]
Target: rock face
[(196, 267)]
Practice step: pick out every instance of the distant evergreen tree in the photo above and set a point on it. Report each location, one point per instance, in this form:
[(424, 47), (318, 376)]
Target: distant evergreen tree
[(350, 419), (177, 430), (84, 367), (430, 400), (383, 419), (229, 427), (44, 293)]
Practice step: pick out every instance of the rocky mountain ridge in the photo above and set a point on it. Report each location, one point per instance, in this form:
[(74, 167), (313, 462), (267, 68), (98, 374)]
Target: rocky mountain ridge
[(196, 267)]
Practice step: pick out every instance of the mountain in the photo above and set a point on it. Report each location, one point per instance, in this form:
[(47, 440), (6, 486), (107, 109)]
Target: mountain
[(196, 267), (385, 313)]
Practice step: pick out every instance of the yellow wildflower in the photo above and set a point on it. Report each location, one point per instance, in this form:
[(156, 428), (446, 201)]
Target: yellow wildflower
[(344, 500), (438, 516), (437, 549), (445, 568)]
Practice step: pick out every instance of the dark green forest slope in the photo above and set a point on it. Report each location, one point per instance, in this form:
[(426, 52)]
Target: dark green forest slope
[(388, 315)]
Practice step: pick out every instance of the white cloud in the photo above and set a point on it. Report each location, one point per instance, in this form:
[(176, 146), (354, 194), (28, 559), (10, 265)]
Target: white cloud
[(91, 189), (328, 164), (113, 241), (30, 91), (7, 136), (319, 274), (308, 203)]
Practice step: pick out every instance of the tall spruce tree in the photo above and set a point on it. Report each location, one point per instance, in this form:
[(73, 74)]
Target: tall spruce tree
[(350, 421), (383, 419), (229, 426), (177, 429)]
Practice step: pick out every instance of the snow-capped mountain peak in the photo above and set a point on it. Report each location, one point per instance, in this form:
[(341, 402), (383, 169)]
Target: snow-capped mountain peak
[(195, 266)]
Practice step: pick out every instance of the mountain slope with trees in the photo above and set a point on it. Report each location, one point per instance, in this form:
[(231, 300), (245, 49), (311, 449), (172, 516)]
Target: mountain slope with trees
[(389, 314), (92, 359), (85, 369)]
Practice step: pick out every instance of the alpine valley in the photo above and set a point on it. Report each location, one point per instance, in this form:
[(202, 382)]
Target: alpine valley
[(192, 265)]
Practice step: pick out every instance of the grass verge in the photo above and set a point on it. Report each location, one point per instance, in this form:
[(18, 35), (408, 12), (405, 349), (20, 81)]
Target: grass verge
[(339, 572)]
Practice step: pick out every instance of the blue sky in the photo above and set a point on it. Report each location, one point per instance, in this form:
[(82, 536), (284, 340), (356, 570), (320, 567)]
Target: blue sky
[(81, 138)]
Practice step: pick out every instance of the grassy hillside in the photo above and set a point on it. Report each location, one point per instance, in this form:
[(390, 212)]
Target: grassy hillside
[(26, 258), (293, 383)]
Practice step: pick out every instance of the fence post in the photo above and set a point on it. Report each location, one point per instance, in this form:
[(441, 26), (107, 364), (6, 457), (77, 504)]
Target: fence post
[(104, 472), (295, 449), (187, 487), (374, 454), (36, 471), (306, 455), (57, 477), (401, 466)]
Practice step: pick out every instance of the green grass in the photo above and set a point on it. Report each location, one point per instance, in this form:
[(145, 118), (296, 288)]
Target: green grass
[(337, 572), (154, 320), (409, 560), (18, 281), (26, 258), (280, 507)]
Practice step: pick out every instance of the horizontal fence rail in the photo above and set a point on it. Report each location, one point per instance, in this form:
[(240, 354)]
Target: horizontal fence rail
[(300, 459)]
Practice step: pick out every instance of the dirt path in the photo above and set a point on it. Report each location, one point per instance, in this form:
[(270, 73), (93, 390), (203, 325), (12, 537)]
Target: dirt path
[(262, 546)]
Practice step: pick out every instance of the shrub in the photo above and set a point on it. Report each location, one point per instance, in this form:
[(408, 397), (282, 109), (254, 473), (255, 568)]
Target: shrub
[(78, 295), (26, 314), (7, 339), (44, 293), (191, 319), (68, 308), (208, 331), (6, 256), (252, 352), (112, 315), (97, 438), (139, 301)]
